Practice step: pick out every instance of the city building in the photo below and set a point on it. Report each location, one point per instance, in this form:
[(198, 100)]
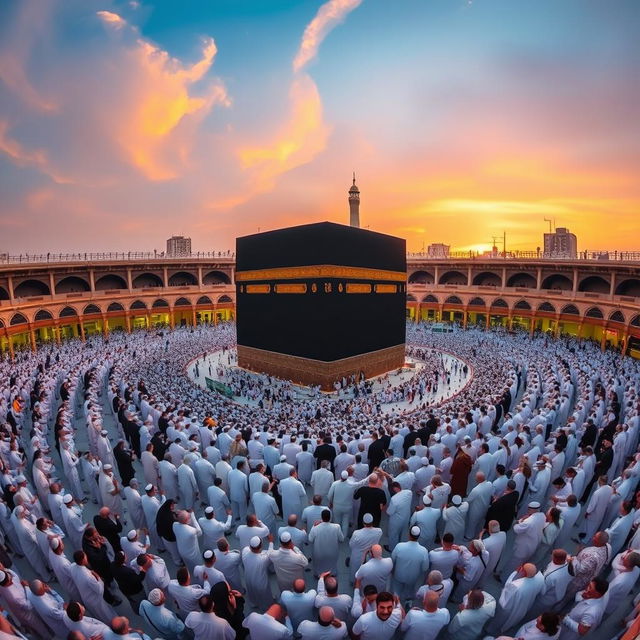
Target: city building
[(561, 244), (178, 247), (438, 250)]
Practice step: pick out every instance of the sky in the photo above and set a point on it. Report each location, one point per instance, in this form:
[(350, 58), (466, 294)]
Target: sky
[(125, 122)]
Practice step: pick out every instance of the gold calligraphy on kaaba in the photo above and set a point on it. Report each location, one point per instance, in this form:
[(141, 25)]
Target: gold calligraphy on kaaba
[(386, 288), (290, 288), (258, 288), (358, 287), (321, 271)]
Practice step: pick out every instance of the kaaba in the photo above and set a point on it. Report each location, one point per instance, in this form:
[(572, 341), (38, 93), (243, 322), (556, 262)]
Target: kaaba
[(319, 302)]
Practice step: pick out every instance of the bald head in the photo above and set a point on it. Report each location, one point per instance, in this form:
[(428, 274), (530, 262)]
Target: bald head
[(601, 538), (434, 577), (276, 611), (431, 600), (104, 512), (299, 585), (120, 625), (183, 517), (494, 526), (529, 569), (376, 551), (326, 615), (37, 587), (559, 556)]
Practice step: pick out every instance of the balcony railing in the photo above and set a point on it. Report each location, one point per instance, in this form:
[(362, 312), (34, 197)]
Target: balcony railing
[(28, 258), (597, 256)]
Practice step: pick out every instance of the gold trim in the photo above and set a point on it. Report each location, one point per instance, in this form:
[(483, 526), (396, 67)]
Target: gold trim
[(321, 271), (258, 288), (290, 288), (386, 288), (357, 287)]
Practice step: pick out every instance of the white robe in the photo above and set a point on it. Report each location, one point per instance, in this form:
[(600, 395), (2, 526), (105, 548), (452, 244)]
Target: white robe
[(187, 541), (517, 597), (326, 538), (478, 500)]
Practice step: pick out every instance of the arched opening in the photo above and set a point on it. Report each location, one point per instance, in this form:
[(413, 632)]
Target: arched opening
[(411, 297), (617, 316), (43, 314), (204, 300), (110, 281), (558, 282), (30, 288), (477, 302), (547, 307), (68, 312), (216, 277), (17, 318), (420, 277), (224, 299), (570, 310), (182, 302), (115, 306), (138, 304), (522, 304), (487, 279), (431, 299), (145, 280), (72, 284), (594, 284), (159, 304), (635, 321), (453, 300), (182, 279), (629, 287), (4, 294), (499, 303), (522, 279), (91, 309), (594, 312), (453, 277)]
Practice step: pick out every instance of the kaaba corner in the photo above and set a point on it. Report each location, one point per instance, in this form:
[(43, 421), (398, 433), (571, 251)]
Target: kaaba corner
[(320, 301)]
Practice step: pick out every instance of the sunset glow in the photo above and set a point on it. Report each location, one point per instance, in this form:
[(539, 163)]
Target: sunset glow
[(122, 123)]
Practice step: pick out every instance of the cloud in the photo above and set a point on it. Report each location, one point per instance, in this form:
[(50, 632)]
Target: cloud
[(111, 18), (329, 15)]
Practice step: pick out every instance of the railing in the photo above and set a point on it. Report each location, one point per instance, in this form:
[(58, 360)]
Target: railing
[(27, 258), (599, 256)]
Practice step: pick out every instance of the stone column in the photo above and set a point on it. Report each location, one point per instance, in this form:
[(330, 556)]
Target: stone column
[(539, 278), (165, 276), (52, 284), (575, 280), (129, 280), (32, 338), (92, 280)]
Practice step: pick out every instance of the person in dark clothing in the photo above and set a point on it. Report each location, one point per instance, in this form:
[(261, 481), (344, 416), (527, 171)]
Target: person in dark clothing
[(409, 441), (372, 501), (129, 581), (95, 548), (605, 458), (590, 434), (159, 445), (108, 525), (165, 518), (229, 604), (504, 509), (124, 460), (326, 451), (376, 452)]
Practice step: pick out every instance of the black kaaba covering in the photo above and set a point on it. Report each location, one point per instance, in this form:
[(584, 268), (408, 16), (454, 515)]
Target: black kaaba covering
[(322, 291)]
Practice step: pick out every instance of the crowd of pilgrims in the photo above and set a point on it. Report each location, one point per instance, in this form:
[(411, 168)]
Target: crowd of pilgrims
[(136, 505), (433, 371)]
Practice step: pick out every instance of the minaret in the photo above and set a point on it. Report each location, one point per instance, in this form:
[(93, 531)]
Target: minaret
[(354, 204)]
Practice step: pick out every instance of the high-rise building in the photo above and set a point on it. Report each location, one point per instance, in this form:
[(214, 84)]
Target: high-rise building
[(438, 250), (354, 204), (178, 247), (560, 244)]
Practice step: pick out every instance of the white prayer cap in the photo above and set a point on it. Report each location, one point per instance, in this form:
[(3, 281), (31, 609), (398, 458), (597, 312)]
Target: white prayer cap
[(3, 576), (132, 535), (67, 498), (20, 479), (540, 463), (344, 475), (55, 543), (415, 531), (104, 432), (456, 500), (254, 543), (426, 501), (208, 510), (149, 487), (436, 437), (107, 467), (467, 439), (367, 518), (155, 596), (283, 458), (425, 461), (534, 505), (208, 554), (285, 537)]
